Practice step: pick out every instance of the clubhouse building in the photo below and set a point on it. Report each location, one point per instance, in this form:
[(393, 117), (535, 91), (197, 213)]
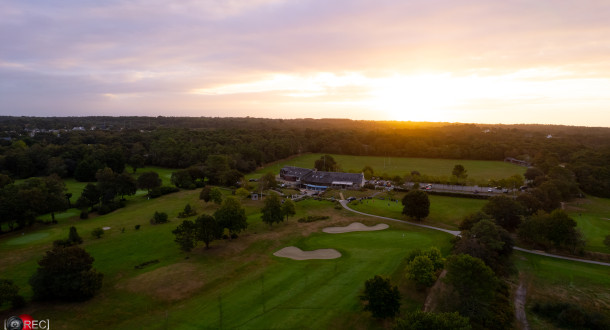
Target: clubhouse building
[(321, 180)]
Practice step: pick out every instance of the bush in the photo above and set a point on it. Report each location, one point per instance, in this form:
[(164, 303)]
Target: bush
[(312, 218), (144, 264), (160, 191), (84, 214), (188, 212), (110, 206), (137, 227), (568, 315), (97, 232), (159, 217)]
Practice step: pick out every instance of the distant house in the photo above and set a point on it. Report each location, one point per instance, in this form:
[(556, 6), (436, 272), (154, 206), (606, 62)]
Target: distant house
[(321, 180)]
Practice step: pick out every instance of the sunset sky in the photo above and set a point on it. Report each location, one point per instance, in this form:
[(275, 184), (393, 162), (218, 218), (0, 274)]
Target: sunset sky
[(542, 61)]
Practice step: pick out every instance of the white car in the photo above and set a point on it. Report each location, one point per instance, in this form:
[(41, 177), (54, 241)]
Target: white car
[(490, 190)]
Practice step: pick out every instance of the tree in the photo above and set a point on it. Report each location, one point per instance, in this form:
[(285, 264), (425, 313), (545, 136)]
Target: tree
[(55, 193), (9, 292), (205, 193), (419, 320), (216, 166), (90, 196), (187, 212), (159, 217), (272, 210), (267, 181), (421, 270), (182, 179), (106, 183), (383, 298), (126, 185), (97, 232), (459, 171), (66, 274), (416, 204), (505, 211), (73, 237), (209, 193), (216, 195), (471, 219), (186, 235), (326, 163), (231, 215), (488, 242), (607, 241), (242, 193), (474, 283), (555, 230), (148, 181), (288, 208), (368, 172), (208, 229)]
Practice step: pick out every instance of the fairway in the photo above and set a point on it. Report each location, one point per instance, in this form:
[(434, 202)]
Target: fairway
[(254, 288), (593, 218), (445, 212), (479, 170)]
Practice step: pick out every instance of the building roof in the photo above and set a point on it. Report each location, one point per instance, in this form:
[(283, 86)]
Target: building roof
[(327, 178), (298, 172)]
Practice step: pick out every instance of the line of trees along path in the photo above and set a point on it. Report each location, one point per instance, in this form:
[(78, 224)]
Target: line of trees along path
[(457, 233)]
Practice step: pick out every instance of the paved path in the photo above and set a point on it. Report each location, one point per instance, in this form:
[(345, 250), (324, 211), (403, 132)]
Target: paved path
[(457, 233)]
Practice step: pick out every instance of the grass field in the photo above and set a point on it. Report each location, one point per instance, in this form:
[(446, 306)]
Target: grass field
[(478, 170), (445, 212), (254, 288), (593, 218), (550, 279)]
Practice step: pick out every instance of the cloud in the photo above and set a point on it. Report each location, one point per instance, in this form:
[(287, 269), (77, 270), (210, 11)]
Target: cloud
[(257, 56)]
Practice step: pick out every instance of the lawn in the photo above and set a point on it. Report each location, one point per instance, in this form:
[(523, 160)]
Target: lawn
[(478, 170), (254, 288), (445, 212), (593, 218)]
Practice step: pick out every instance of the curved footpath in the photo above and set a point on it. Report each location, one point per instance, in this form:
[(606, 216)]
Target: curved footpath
[(457, 233)]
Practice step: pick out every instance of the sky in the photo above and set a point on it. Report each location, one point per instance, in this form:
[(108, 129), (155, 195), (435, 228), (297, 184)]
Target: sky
[(510, 61)]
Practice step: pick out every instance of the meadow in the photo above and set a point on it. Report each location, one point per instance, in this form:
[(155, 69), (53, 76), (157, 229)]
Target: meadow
[(548, 279), (479, 170)]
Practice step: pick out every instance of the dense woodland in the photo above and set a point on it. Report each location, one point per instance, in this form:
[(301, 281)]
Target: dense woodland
[(41, 146)]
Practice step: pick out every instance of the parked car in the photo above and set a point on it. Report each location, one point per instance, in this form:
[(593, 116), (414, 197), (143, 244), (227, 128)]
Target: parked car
[(490, 190)]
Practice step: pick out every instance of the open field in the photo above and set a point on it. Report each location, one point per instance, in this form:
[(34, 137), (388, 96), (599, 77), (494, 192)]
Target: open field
[(550, 279), (479, 170), (254, 288), (445, 212), (593, 217)]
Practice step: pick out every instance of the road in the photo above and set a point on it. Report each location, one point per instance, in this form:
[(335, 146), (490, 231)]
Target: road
[(457, 233)]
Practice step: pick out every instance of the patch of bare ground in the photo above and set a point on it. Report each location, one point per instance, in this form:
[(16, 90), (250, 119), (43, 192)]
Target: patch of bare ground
[(295, 253), (520, 299), (170, 283), (354, 226), (435, 293)]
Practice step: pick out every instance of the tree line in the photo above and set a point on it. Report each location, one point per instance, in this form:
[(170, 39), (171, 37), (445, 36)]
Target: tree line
[(43, 146)]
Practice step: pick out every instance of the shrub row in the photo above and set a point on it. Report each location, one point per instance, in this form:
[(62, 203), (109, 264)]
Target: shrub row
[(312, 218)]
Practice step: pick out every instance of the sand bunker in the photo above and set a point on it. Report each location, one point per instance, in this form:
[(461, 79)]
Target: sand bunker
[(354, 226), (295, 253)]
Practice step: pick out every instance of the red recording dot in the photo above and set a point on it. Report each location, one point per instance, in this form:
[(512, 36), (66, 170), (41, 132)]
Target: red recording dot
[(27, 321)]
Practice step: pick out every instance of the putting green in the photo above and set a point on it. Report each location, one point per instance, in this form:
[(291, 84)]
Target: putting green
[(25, 239)]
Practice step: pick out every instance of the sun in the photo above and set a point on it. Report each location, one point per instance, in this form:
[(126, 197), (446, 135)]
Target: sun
[(415, 98)]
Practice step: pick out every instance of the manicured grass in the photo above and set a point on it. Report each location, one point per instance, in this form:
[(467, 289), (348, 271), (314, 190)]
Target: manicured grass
[(445, 212), (187, 293), (478, 170), (593, 217)]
